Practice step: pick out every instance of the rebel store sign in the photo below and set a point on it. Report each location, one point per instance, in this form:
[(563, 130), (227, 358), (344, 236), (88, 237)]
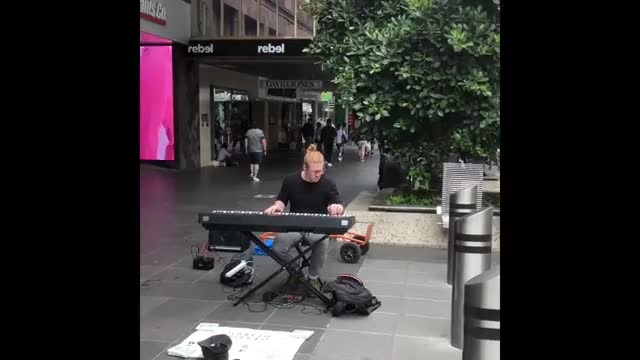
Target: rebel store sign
[(248, 47), (153, 11)]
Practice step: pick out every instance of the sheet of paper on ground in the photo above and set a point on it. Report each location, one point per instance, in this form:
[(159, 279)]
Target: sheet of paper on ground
[(247, 344)]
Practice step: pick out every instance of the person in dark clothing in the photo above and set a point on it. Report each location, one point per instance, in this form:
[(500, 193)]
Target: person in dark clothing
[(307, 132), (316, 135), (307, 192), (328, 138), (390, 172)]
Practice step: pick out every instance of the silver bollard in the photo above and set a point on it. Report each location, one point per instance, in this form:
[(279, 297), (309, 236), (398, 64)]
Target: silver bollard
[(472, 247), (482, 316), (461, 203)]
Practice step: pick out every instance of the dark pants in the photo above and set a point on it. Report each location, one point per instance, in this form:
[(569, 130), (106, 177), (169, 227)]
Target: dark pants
[(328, 151)]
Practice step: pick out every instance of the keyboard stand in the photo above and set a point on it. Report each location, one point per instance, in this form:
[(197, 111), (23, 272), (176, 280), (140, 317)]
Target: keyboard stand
[(286, 266)]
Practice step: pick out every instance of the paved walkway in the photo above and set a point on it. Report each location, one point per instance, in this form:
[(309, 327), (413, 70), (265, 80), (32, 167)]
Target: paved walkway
[(412, 323)]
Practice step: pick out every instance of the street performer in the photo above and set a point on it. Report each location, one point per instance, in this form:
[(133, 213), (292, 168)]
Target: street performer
[(308, 191)]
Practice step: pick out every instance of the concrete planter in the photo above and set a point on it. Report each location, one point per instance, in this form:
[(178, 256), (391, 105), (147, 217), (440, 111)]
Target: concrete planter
[(409, 229), (405, 228)]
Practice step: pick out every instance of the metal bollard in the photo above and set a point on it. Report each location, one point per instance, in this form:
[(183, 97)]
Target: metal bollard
[(482, 316), (461, 203), (472, 247)]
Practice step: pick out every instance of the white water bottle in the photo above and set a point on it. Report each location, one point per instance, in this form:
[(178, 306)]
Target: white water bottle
[(236, 269)]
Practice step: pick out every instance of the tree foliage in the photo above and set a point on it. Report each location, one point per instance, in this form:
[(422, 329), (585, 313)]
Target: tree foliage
[(421, 74)]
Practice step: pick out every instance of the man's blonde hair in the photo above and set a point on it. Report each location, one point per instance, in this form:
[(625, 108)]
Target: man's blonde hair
[(313, 155)]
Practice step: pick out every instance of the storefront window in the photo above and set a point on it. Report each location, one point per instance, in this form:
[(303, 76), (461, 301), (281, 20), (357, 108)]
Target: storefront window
[(232, 112)]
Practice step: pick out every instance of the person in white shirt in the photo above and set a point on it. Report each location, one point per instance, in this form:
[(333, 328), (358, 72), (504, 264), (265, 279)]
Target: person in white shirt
[(364, 149), (341, 139), (223, 154)]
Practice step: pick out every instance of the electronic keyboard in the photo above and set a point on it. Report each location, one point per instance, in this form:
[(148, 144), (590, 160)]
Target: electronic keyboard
[(219, 220)]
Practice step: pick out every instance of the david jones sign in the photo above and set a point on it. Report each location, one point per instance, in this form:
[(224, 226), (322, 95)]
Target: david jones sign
[(153, 11)]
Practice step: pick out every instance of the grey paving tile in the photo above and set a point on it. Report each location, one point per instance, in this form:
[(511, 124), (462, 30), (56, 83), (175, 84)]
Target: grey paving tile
[(407, 253), (146, 271), (415, 348), (186, 262), (391, 305), (245, 312), (385, 275), (179, 274), (148, 303), (184, 290), (439, 292), (376, 322), (441, 309), (309, 345), (340, 345), (236, 324), (384, 264), (150, 349), (300, 315), (173, 318), (423, 266), (390, 253), (427, 278), (165, 356), (422, 326), (165, 255), (379, 288)]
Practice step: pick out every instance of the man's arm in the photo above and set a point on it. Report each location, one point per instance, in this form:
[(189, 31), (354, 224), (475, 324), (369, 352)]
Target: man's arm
[(281, 201), (264, 145), (335, 207)]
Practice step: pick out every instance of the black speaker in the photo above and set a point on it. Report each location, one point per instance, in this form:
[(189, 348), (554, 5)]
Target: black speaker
[(228, 241)]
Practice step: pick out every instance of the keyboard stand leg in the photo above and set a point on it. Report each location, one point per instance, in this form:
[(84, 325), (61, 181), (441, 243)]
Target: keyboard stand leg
[(284, 266)]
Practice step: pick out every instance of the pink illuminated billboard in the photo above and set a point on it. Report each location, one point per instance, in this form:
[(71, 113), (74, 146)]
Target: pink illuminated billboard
[(156, 99)]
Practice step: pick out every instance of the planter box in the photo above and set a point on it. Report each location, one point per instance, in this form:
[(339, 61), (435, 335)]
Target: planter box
[(405, 228), (409, 229)]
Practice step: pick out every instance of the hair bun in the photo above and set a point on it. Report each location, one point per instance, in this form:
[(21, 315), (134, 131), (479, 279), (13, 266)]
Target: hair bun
[(311, 148)]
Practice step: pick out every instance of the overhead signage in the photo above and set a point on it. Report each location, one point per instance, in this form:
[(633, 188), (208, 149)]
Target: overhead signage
[(153, 11), (248, 47), (291, 84)]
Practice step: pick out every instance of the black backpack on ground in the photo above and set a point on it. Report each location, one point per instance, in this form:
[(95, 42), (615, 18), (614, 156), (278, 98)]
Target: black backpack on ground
[(351, 297)]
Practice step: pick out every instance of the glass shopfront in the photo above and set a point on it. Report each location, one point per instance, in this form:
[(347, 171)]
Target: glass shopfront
[(232, 114)]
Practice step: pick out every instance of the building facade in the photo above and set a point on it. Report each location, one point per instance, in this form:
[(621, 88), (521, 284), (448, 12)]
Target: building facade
[(232, 63)]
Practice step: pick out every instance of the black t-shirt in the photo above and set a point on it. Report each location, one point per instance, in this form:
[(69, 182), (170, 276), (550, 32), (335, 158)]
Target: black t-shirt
[(307, 130), (306, 197), (328, 134)]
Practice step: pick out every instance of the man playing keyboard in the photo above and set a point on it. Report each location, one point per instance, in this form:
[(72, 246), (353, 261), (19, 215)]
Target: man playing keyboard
[(307, 192)]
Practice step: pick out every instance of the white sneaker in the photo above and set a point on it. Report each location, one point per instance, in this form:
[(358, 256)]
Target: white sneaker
[(339, 159), (256, 179), (330, 164), (251, 176)]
